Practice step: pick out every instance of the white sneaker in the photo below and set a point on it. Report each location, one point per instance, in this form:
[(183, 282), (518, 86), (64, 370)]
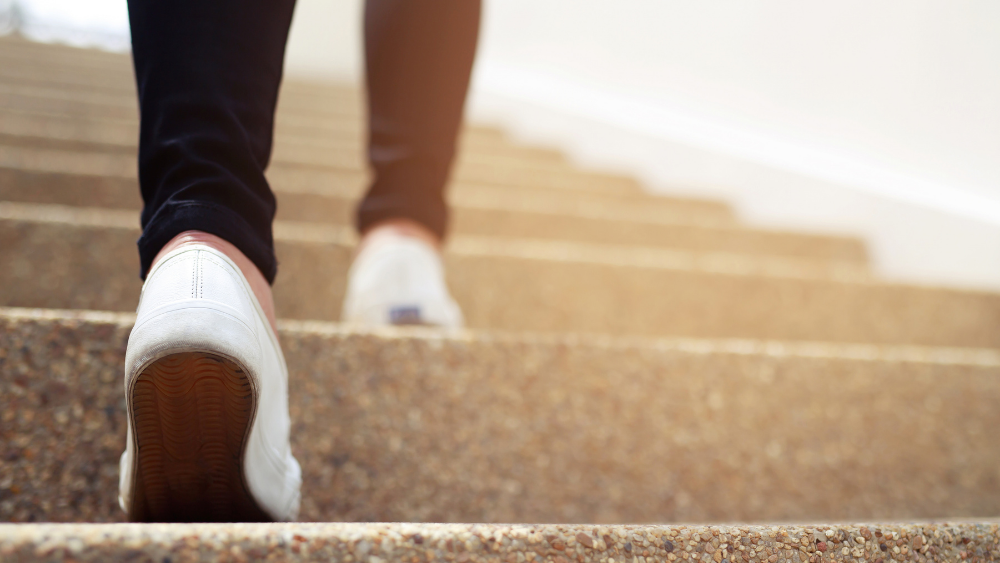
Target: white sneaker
[(399, 280), (206, 389)]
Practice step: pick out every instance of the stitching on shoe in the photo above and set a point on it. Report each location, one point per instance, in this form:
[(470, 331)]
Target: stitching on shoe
[(194, 276), (201, 276)]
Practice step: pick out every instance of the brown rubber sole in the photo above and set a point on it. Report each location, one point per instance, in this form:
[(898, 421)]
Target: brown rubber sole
[(192, 413)]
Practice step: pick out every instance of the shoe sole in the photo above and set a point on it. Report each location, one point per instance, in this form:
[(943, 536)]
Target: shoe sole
[(191, 418)]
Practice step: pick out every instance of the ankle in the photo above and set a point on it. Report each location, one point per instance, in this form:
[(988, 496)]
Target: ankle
[(258, 283), (400, 227)]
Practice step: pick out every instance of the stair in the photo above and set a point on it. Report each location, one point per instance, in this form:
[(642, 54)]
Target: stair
[(465, 543), (631, 359)]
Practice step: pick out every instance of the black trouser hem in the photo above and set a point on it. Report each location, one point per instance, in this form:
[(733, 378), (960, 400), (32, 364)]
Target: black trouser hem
[(173, 219)]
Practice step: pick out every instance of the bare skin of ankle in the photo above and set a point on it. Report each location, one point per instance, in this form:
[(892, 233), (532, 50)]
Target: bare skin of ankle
[(261, 289), (400, 227)]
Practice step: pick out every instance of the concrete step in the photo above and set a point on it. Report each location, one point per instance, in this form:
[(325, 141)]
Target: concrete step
[(425, 425), (49, 256), (512, 543), (488, 212)]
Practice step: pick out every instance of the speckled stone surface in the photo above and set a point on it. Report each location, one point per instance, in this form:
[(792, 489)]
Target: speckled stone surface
[(975, 542), (50, 262), (417, 425)]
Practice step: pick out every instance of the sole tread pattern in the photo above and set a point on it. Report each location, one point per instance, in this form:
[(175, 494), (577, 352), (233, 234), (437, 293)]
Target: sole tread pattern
[(192, 413)]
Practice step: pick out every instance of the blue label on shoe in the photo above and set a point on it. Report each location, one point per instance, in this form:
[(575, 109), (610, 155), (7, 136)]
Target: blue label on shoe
[(405, 316)]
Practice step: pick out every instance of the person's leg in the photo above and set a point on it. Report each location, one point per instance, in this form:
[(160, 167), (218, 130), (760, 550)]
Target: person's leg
[(419, 56), (205, 380), (208, 74)]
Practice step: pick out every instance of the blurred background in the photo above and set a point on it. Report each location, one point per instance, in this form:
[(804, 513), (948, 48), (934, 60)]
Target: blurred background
[(877, 119)]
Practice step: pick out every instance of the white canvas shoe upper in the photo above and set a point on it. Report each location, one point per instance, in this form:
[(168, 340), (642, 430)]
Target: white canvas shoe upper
[(196, 299), (398, 279)]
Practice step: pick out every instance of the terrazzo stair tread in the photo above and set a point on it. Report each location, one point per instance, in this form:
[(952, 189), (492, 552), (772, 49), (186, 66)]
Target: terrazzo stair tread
[(426, 425), (468, 168), (486, 214), (473, 543), (337, 195), (49, 254)]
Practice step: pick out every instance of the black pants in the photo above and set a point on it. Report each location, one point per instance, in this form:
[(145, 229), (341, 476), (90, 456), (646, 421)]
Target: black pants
[(208, 73)]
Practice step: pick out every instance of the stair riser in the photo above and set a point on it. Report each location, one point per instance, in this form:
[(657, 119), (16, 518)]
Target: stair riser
[(495, 429), (528, 287), (475, 543), (123, 194)]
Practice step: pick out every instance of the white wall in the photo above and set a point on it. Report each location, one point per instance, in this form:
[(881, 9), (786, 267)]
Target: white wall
[(877, 118), (325, 40), (94, 23)]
